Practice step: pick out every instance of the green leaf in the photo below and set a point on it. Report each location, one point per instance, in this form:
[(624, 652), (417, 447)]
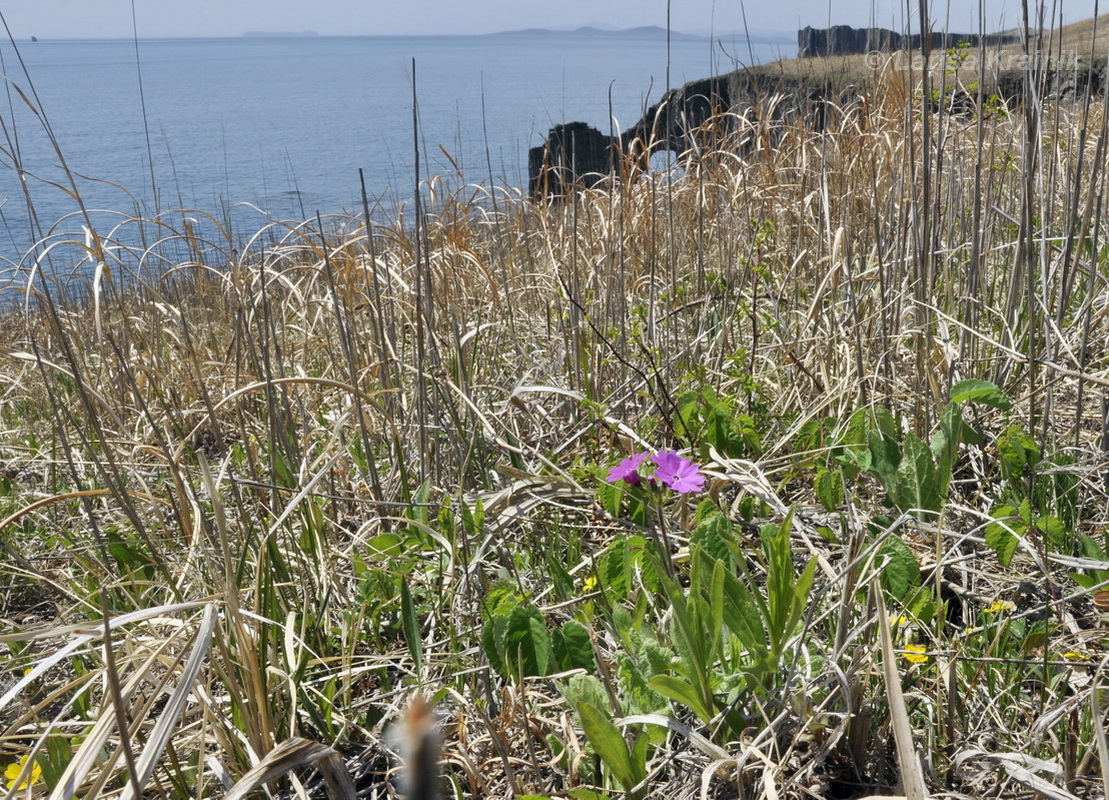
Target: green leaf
[(885, 456), (915, 486), (741, 615), (716, 602), (587, 794), (386, 544), (610, 495), (1002, 536), (59, 753), (526, 642), (614, 568), (1053, 529), (715, 536), (572, 647), (562, 581), (984, 392), (1019, 452), (901, 572), (492, 640), (608, 743), (410, 623), (1085, 581), (1091, 548), (681, 692), (829, 488), (639, 757), (945, 446)]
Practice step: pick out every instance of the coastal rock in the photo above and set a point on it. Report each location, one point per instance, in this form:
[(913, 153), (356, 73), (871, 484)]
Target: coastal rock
[(575, 154), (578, 155), (706, 112)]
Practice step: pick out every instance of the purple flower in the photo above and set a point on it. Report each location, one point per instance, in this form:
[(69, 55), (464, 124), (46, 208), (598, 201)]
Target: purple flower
[(628, 469), (677, 473)]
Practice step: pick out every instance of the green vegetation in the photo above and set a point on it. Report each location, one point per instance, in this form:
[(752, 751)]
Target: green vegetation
[(258, 494)]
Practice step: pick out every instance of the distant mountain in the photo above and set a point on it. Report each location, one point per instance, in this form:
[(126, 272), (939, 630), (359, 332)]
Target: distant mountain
[(757, 35), (588, 30)]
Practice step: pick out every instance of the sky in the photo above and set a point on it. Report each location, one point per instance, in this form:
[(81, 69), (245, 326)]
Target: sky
[(168, 18)]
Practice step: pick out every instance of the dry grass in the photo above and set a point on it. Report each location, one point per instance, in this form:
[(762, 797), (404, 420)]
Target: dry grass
[(271, 495)]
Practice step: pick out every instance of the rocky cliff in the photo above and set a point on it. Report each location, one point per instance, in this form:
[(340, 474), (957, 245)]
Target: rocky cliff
[(843, 40)]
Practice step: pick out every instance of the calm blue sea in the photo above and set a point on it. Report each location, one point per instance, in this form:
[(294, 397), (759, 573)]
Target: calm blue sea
[(277, 128)]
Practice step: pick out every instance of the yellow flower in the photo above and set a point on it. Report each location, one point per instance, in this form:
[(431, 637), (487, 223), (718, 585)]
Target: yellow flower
[(998, 605), (915, 653), (1072, 656), (11, 774), (898, 620), (589, 584)]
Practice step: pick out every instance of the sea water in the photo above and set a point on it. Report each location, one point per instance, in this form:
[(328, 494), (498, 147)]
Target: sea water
[(249, 130)]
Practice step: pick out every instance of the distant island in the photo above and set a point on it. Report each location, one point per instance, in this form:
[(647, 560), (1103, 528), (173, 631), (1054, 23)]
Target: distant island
[(644, 30), (278, 34)]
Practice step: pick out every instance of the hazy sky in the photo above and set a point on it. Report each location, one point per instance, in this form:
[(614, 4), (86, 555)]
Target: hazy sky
[(158, 18)]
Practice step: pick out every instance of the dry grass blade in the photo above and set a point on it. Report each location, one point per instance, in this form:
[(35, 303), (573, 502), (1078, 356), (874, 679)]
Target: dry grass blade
[(912, 777), (83, 633), (164, 728), (91, 752), (697, 740), (1020, 768), (292, 754)]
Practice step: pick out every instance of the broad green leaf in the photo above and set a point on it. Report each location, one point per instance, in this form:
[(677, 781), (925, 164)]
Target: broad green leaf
[(715, 535), (855, 461), (741, 615), (881, 420), (779, 580), (976, 391), (420, 504), (828, 487), (801, 590), (885, 456), (1053, 529), (585, 689), (945, 446), (901, 571), (639, 757), (386, 544), (572, 647), (1091, 548), (492, 640), (681, 692), (915, 485), (410, 623), (1001, 536), (1019, 452), (1085, 581), (610, 495), (608, 743), (716, 603), (615, 568), (526, 642)]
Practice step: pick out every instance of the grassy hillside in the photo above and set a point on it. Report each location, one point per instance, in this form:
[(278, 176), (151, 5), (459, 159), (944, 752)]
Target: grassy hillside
[(274, 492)]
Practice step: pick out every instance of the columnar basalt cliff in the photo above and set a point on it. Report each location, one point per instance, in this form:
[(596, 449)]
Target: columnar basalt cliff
[(843, 40), (707, 112)]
